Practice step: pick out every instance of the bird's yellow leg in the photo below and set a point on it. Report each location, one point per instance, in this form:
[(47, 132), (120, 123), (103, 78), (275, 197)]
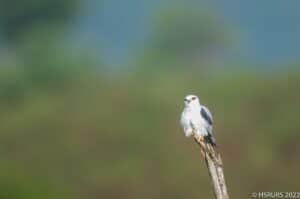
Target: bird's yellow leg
[(200, 139)]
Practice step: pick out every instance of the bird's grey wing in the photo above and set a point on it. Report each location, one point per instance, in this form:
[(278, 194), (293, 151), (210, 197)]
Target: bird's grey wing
[(206, 114)]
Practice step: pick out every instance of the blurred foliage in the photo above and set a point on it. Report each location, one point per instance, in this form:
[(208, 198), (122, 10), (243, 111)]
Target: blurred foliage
[(42, 68), (119, 136), (69, 129), (184, 36), (19, 17)]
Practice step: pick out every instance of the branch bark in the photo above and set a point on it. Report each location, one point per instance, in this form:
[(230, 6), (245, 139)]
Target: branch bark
[(214, 164)]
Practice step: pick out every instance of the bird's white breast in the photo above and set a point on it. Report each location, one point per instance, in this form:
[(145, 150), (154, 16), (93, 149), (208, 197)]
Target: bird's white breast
[(191, 120)]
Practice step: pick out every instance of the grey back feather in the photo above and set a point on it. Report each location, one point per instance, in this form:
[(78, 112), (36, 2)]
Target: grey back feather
[(206, 114)]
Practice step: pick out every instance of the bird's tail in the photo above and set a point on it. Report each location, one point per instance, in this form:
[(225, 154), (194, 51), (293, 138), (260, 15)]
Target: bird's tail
[(211, 140)]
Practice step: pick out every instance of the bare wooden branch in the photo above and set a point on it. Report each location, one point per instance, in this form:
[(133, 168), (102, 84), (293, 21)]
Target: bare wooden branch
[(214, 164)]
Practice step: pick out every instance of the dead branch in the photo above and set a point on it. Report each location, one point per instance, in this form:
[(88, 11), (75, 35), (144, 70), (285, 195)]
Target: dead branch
[(214, 164)]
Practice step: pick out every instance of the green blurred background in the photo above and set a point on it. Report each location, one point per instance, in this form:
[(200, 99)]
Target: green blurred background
[(91, 94)]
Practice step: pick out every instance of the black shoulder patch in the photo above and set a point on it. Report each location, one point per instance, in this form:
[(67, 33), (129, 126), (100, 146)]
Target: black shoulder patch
[(206, 116)]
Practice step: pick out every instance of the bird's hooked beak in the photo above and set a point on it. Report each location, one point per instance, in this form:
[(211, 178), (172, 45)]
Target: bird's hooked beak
[(187, 101)]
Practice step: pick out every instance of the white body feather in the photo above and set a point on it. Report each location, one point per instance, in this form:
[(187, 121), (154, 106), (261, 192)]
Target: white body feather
[(192, 122)]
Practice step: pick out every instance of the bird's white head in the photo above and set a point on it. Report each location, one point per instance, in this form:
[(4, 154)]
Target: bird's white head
[(191, 101)]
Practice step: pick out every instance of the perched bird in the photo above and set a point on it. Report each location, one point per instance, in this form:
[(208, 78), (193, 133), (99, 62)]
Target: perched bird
[(196, 120)]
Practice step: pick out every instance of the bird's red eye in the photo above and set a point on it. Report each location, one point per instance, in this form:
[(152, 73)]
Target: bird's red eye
[(193, 98)]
